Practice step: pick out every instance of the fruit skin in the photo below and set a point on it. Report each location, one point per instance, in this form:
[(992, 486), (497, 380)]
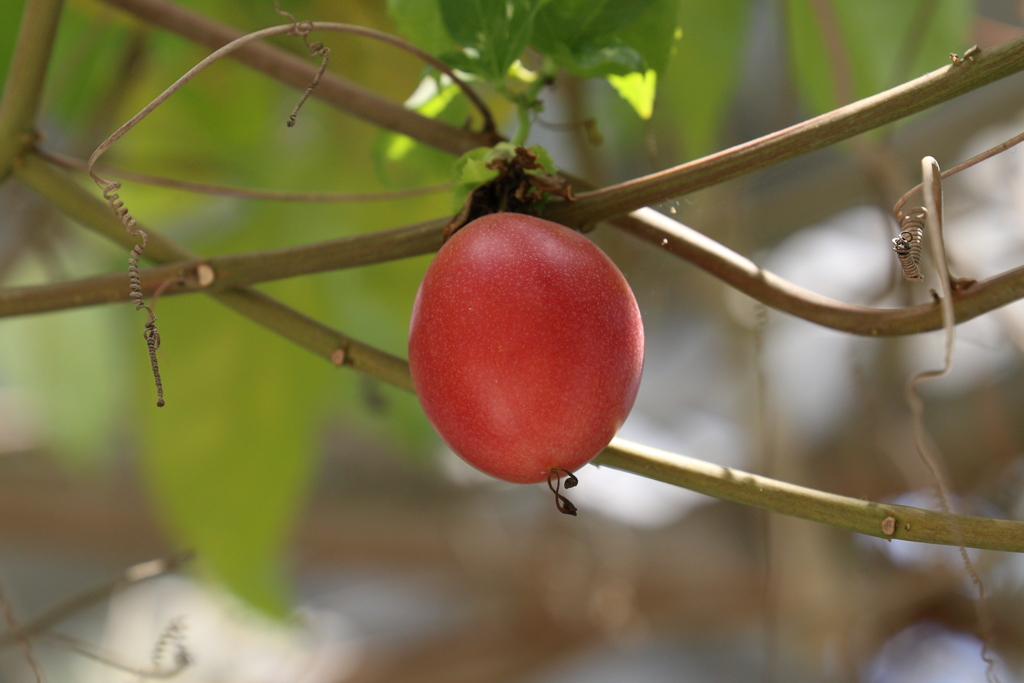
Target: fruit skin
[(525, 346)]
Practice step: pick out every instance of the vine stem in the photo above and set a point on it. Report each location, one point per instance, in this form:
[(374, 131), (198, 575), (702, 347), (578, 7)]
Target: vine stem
[(858, 117), (290, 29), (298, 73), (852, 514), (18, 633), (860, 516), (962, 166), (661, 231), (796, 140), (24, 85), (93, 213)]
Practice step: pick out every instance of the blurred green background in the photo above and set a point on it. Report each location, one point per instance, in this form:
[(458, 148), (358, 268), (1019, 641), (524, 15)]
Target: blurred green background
[(280, 470)]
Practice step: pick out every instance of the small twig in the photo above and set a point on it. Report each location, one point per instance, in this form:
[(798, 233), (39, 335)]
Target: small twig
[(243, 192), (976, 159), (134, 574), (19, 635)]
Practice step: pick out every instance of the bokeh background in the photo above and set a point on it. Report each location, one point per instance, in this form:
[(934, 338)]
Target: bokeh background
[(337, 539)]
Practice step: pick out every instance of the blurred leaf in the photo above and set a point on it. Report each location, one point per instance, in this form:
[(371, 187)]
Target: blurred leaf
[(401, 161), (495, 31), (10, 18), (69, 366), (80, 90), (700, 80), (228, 459), (421, 22), (849, 49), (395, 147), (637, 89), (655, 31)]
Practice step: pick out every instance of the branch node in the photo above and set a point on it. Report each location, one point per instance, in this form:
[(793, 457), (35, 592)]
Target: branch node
[(205, 275), (889, 526)]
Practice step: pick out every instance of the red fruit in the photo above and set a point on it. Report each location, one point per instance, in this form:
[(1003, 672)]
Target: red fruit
[(525, 347)]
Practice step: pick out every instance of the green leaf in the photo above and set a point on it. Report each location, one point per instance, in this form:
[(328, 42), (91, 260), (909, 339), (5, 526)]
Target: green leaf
[(494, 32), (654, 33), (420, 21), (470, 172), (637, 89), (850, 49), (581, 35), (67, 368)]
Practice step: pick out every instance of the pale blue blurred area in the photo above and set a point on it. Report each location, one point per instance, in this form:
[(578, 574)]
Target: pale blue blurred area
[(928, 653)]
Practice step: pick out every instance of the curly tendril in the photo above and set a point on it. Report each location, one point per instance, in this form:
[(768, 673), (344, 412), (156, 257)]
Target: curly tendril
[(151, 333), (563, 504)]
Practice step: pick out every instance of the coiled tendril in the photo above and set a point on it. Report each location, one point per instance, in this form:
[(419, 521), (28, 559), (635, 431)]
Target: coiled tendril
[(908, 245), (151, 334), (563, 504)]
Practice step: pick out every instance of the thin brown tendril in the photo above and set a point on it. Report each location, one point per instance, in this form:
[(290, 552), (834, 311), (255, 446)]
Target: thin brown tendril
[(19, 635), (932, 215), (563, 504), (142, 571), (302, 29), (181, 658), (151, 334), (109, 187), (977, 159), (72, 163)]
